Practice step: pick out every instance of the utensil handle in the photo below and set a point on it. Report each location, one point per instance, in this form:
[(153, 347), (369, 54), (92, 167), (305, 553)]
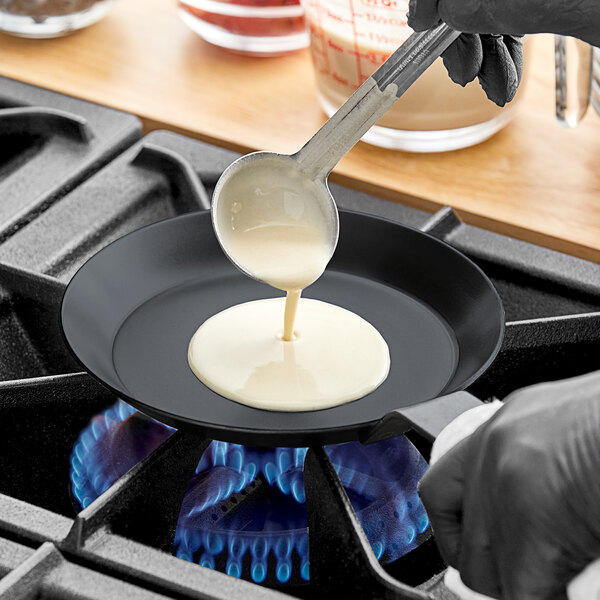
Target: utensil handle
[(372, 99), (573, 63), (427, 418), (414, 57)]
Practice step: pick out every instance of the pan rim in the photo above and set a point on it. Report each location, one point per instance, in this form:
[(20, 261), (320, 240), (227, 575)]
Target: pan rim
[(233, 431)]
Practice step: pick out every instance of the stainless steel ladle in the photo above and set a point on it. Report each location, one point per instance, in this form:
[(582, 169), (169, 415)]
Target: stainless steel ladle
[(315, 160)]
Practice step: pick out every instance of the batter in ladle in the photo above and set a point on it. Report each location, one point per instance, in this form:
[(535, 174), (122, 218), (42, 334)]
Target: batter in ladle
[(277, 231), (273, 227)]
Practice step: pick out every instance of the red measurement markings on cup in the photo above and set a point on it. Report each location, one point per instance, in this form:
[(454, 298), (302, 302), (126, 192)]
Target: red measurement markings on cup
[(384, 20), (319, 9), (397, 5), (359, 73), (351, 38), (386, 15)]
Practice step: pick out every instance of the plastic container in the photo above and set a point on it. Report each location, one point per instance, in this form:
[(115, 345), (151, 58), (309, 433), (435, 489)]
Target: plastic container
[(351, 38), (252, 27), (50, 18)]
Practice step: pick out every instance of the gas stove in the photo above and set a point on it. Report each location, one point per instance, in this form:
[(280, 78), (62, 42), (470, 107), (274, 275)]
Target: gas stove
[(244, 510), (99, 501)]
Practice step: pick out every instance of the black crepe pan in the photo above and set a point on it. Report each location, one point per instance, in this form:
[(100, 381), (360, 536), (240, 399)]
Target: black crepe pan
[(128, 315)]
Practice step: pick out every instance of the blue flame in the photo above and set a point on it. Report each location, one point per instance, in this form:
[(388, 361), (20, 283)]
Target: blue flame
[(380, 479), (244, 509), (113, 442)]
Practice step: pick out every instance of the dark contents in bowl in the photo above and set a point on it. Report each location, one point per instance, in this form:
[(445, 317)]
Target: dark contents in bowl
[(40, 9)]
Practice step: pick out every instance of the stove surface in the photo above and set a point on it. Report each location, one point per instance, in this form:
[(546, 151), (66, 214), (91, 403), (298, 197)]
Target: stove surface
[(74, 177)]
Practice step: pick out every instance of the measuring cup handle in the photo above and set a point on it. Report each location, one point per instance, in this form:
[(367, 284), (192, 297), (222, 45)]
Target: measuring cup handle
[(427, 418), (573, 64)]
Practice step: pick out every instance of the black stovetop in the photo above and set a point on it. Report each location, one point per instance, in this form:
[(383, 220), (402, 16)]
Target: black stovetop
[(75, 176)]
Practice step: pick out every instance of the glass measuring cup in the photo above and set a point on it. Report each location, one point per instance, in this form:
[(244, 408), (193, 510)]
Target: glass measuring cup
[(351, 38)]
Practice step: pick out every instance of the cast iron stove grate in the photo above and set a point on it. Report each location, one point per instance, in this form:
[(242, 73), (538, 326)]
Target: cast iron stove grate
[(120, 545)]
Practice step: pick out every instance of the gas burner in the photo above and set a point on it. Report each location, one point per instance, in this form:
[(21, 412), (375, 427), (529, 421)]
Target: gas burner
[(244, 509), (112, 443)]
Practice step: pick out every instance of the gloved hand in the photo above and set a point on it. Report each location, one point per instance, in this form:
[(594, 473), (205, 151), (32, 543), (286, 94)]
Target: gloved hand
[(495, 57), (515, 507)]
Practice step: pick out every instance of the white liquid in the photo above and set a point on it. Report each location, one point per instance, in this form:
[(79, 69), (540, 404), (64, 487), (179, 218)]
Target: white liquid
[(288, 256), (337, 356), (290, 355), (272, 223)]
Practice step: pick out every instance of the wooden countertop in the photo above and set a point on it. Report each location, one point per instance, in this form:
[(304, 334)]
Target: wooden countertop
[(534, 180)]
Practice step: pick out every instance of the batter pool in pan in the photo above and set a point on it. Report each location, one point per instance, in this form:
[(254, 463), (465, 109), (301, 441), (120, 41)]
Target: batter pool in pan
[(244, 510)]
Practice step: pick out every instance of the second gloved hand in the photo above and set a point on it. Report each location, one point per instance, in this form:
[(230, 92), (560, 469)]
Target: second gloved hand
[(515, 507)]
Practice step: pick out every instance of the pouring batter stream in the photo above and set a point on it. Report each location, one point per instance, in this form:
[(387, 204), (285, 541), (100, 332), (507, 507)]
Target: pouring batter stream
[(307, 355)]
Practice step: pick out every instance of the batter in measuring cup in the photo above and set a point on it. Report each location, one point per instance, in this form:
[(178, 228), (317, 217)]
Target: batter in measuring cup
[(294, 354), (350, 39)]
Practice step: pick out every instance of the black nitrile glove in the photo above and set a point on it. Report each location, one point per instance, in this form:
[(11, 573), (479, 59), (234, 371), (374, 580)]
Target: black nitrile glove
[(577, 18), (515, 507), (496, 60), (486, 50)]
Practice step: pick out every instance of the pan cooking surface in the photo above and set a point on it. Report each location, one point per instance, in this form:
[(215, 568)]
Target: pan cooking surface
[(131, 310), (150, 350)]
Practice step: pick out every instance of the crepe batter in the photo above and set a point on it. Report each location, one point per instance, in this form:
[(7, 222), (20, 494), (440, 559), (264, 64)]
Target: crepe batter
[(319, 355), (336, 357)]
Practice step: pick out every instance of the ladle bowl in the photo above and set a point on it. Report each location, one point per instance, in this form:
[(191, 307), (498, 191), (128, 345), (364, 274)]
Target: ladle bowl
[(267, 162)]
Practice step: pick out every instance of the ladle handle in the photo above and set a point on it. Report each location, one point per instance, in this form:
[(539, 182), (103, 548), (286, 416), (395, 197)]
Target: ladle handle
[(372, 99)]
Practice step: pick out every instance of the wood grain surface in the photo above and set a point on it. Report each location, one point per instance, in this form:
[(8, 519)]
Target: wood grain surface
[(534, 180)]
